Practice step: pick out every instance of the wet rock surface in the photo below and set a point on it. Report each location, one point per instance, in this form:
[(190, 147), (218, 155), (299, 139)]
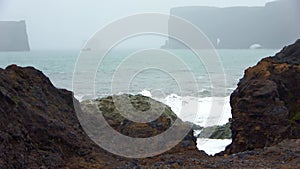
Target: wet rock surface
[(266, 104)]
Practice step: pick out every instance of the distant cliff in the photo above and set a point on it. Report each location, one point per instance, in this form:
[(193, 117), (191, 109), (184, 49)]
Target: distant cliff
[(13, 36), (271, 26)]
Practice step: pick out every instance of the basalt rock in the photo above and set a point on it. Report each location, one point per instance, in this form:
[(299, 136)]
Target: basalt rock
[(266, 103), (38, 123), (39, 127)]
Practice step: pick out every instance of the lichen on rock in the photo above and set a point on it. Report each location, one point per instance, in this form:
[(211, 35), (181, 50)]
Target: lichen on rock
[(115, 108)]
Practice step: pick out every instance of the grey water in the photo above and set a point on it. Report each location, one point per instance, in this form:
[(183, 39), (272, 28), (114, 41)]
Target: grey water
[(60, 66)]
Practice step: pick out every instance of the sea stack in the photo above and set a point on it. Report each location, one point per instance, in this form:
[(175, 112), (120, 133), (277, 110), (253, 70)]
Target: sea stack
[(13, 36), (270, 27)]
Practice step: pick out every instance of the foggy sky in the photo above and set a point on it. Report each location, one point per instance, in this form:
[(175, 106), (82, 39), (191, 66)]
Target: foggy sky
[(67, 24)]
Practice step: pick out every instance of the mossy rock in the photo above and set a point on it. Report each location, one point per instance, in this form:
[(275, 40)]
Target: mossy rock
[(216, 132), (294, 117), (113, 108)]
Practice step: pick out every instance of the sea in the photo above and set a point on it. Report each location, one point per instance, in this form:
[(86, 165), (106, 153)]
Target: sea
[(120, 71)]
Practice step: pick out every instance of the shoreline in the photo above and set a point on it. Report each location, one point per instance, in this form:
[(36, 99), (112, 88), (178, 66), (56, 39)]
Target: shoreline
[(40, 122)]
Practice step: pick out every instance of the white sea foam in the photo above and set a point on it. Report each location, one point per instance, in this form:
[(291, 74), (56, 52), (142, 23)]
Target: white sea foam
[(205, 115), (212, 146), (145, 93)]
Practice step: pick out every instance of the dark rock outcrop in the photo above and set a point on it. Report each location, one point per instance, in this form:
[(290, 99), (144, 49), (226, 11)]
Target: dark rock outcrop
[(39, 127), (216, 132), (271, 26), (13, 36), (38, 124), (266, 103)]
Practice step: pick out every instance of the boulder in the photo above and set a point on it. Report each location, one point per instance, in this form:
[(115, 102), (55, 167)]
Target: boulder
[(266, 103), (162, 115), (216, 132), (39, 127), (38, 124)]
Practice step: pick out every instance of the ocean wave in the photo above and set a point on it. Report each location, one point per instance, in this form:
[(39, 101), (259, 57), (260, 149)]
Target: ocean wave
[(203, 115)]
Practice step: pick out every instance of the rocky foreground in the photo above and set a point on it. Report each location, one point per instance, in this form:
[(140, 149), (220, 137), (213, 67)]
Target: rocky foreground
[(266, 104), (39, 126)]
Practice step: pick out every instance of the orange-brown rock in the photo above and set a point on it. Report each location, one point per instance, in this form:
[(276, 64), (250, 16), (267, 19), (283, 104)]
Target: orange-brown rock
[(266, 103)]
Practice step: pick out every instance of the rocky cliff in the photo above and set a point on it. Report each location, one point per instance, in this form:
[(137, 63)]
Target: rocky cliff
[(39, 126), (13, 36), (266, 103), (272, 26), (39, 129)]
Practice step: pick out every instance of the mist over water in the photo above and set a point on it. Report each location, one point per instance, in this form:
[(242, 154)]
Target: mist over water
[(59, 67), (60, 32), (68, 24)]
